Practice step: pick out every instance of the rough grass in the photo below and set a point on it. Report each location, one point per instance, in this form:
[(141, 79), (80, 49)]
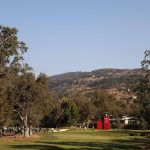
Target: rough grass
[(79, 140)]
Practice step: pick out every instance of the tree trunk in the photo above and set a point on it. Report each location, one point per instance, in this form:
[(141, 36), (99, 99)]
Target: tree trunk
[(30, 130), (26, 128)]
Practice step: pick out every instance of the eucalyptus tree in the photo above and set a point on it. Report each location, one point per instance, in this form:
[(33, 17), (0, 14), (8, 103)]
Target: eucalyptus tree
[(11, 52), (30, 99), (142, 103)]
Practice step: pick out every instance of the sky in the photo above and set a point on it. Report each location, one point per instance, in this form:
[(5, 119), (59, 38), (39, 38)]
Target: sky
[(80, 35)]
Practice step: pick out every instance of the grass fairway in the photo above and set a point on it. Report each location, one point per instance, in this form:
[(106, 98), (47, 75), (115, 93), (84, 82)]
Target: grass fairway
[(78, 140)]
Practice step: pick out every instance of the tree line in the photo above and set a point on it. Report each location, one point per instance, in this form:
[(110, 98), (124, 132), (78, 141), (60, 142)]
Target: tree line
[(26, 101)]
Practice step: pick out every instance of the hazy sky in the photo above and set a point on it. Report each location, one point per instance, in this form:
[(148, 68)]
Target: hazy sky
[(80, 35)]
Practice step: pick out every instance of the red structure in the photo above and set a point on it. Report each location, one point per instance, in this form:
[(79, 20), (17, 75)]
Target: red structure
[(99, 124), (104, 123)]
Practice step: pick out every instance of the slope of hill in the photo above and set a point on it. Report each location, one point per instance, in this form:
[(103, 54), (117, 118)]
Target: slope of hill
[(115, 81)]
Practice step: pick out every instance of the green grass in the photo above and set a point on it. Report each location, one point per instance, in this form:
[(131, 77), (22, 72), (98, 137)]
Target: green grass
[(79, 140)]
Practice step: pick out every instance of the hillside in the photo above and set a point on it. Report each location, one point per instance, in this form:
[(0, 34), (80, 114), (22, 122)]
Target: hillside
[(118, 82)]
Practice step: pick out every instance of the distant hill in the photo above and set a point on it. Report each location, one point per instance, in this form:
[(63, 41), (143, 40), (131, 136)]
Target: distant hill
[(115, 81)]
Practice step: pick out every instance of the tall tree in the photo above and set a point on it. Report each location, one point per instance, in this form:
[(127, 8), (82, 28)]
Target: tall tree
[(143, 91), (44, 99), (11, 51), (21, 97), (87, 110), (69, 112), (30, 99), (52, 119)]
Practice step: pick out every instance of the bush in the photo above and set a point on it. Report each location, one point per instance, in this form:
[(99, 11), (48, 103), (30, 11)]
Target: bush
[(114, 125), (133, 126)]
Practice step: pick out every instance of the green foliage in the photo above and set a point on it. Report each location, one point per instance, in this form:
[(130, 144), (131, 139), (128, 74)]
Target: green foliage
[(87, 110), (22, 96), (11, 51), (44, 100), (69, 112), (104, 102), (52, 120), (30, 97), (142, 104)]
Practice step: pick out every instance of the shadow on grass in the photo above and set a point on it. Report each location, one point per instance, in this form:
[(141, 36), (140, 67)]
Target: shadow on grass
[(36, 147), (119, 145), (129, 144)]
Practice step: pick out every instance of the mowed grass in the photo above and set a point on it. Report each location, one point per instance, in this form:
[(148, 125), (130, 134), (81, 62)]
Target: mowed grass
[(78, 140)]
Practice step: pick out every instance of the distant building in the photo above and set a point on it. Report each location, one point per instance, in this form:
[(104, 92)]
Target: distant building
[(126, 120)]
